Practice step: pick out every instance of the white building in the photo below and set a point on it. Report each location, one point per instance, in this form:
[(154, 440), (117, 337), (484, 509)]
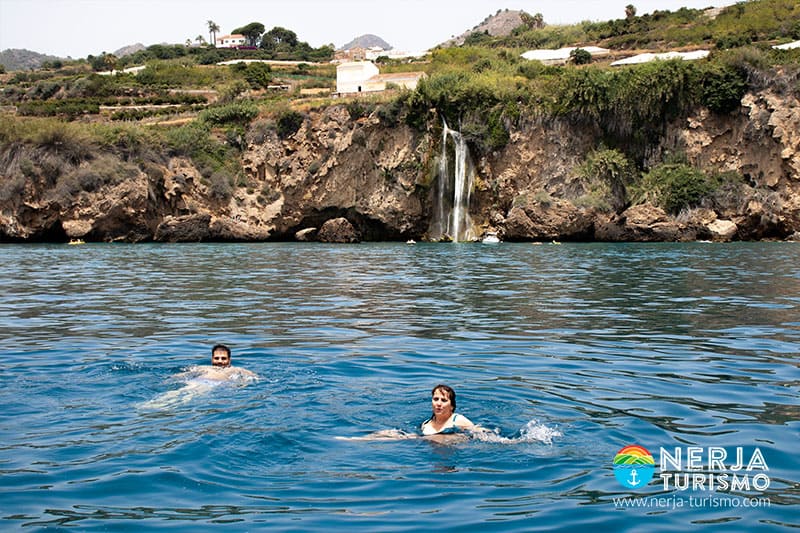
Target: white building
[(353, 77), (231, 41), (364, 76)]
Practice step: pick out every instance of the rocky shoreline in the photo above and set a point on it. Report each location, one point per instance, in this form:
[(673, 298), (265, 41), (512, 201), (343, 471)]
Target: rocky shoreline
[(345, 179)]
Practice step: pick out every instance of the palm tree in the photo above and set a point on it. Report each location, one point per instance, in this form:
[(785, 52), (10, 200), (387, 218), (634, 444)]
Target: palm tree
[(110, 61), (212, 31), (200, 39)]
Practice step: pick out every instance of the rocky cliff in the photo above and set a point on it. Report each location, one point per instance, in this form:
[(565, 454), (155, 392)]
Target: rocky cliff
[(344, 179)]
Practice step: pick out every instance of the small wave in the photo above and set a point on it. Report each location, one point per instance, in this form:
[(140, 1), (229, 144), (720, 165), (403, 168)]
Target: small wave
[(533, 431)]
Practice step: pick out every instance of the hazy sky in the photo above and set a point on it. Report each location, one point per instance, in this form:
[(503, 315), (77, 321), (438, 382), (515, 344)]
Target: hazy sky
[(77, 28)]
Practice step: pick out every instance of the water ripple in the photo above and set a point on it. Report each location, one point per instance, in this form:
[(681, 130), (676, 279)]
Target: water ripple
[(567, 353)]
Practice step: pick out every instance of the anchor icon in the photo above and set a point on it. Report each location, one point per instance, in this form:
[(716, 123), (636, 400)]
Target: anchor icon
[(634, 480)]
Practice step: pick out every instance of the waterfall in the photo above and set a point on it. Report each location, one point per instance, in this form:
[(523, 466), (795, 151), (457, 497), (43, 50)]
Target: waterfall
[(451, 218)]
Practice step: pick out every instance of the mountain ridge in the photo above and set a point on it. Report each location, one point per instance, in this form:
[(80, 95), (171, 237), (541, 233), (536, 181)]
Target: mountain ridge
[(22, 59), (367, 40), (501, 24)]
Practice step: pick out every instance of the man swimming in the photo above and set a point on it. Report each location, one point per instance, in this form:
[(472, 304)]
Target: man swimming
[(220, 369), (201, 379)]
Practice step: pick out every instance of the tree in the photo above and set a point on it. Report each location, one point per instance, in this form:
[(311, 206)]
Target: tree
[(252, 32), (278, 36), (212, 31), (200, 39), (630, 11), (535, 22), (258, 75), (109, 61), (580, 56)]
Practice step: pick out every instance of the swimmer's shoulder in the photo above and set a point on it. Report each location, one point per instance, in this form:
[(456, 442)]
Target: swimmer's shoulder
[(462, 421), (233, 373)]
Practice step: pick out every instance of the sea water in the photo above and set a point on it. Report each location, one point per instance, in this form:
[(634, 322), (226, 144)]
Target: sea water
[(567, 353)]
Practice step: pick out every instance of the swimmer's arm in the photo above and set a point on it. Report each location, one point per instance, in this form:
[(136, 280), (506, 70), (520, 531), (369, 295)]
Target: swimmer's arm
[(191, 372), (462, 422), (242, 373)]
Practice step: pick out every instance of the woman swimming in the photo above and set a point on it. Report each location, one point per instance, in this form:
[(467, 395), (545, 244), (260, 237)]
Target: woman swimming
[(444, 419), (444, 425)]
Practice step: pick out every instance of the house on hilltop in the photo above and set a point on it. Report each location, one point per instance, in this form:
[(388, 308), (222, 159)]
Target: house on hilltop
[(353, 54), (371, 54), (231, 41), (364, 76)]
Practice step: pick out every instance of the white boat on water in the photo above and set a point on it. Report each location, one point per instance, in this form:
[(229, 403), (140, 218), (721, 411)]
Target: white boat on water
[(490, 237)]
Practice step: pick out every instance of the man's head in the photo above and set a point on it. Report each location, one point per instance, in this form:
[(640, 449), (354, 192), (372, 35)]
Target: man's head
[(220, 356)]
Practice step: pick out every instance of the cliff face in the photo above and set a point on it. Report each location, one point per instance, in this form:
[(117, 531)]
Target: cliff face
[(376, 181)]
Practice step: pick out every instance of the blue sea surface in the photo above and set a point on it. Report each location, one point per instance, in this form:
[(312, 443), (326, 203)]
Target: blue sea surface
[(569, 353)]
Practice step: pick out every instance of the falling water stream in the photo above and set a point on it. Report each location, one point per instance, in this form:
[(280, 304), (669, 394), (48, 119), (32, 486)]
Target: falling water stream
[(452, 218)]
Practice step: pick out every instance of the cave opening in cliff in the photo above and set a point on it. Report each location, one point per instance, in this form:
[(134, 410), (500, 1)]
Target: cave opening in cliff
[(368, 228)]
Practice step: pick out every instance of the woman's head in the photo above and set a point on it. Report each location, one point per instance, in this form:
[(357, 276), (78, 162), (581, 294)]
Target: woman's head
[(444, 393)]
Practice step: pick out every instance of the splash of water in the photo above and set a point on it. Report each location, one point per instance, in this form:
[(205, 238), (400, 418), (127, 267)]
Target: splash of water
[(532, 432), (454, 189)]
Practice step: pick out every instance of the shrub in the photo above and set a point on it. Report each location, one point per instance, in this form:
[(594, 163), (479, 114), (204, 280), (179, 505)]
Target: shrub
[(358, 109), (579, 56), (230, 92), (288, 123), (102, 171), (190, 139), (220, 186), (70, 108), (584, 92), (482, 65), (11, 186), (722, 89), (258, 75), (608, 172), (234, 112), (674, 187), (486, 131), (390, 112), (70, 143), (131, 142)]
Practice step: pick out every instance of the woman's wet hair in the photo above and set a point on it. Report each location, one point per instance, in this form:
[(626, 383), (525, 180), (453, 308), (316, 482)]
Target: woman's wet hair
[(451, 394)]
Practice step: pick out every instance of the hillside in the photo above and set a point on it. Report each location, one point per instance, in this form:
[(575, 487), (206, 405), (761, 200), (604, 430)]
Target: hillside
[(501, 24), (366, 41), (758, 21), (130, 49), (21, 59)]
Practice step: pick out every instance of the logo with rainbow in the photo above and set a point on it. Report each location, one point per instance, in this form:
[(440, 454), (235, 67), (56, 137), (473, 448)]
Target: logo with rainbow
[(634, 466)]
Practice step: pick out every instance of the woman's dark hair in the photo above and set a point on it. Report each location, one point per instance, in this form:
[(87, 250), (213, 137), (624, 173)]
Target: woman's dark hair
[(449, 391)]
